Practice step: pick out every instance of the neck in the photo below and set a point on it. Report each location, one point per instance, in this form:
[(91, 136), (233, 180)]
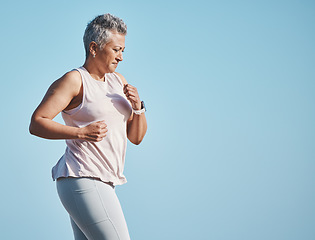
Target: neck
[(95, 72)]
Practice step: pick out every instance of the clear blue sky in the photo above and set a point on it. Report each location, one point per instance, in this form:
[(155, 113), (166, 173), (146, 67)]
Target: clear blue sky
[(230, 92)]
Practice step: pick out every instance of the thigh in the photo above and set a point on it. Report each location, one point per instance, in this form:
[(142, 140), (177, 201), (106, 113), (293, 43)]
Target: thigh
[(94, 207), (113, 208), (78, 234)]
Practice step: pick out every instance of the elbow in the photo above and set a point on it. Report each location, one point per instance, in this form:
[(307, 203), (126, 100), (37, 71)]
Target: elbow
[(136, 138), (32, 126), (136, 141), (31, 130)]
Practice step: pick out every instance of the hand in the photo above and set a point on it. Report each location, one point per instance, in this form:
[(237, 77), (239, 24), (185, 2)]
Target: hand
[(95, 132), (132, 95)]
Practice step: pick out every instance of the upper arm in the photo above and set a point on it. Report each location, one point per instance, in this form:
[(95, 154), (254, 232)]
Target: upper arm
[(59, 95)]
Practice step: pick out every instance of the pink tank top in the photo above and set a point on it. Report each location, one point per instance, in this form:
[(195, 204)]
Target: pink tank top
[(105, 159)]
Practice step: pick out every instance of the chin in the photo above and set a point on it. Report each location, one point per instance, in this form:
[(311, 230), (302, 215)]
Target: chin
[(113, 69)]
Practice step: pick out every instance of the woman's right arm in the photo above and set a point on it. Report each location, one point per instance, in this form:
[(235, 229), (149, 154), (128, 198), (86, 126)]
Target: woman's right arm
[(58, 97)]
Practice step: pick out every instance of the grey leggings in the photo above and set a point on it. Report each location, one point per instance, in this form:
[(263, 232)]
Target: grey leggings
[(94, 209)]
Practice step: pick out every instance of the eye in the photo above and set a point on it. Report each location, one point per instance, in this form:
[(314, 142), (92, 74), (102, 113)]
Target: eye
[(116, 50)]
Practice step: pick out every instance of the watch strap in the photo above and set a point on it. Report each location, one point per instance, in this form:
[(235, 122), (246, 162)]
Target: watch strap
[(142, 110)]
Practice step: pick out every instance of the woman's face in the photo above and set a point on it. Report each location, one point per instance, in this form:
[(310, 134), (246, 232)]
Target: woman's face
[(112, 52)]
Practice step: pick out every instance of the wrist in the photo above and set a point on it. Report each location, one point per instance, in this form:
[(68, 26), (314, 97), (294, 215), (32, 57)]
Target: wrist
[(137, 106), (79, 133), (141, 110)]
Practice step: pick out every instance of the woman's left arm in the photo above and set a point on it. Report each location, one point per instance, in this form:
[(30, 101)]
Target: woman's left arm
[(136, 124)]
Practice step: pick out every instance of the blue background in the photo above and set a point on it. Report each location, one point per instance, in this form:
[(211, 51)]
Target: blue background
[(229, 87)]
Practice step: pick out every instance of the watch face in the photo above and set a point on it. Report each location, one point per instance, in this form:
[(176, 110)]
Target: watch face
[(143, 105)]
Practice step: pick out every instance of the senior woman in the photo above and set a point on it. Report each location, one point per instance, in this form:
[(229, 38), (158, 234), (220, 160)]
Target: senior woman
[(101, 110)]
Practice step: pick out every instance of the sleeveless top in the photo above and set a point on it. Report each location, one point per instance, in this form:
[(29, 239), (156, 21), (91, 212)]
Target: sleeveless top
[(103, 160)]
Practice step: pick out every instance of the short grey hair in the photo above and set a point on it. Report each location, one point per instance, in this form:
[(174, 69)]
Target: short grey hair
[(98, 30)]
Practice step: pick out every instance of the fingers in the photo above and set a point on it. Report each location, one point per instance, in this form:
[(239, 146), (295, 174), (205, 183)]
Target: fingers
[(101, 130), (101, 124), (130, 90), (96, 131), (132, 95)]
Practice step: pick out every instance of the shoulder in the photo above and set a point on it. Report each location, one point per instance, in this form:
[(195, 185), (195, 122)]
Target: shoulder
[(72, 77), (69, 82), (124, 81)]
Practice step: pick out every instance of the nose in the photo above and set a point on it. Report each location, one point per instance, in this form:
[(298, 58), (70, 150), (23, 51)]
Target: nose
[(120, 56)]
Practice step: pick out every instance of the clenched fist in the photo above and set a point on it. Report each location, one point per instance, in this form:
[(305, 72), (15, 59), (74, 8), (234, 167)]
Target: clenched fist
[(94, 132), (132, 95)]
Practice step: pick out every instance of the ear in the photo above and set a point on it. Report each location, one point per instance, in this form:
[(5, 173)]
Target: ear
[(93, 48)]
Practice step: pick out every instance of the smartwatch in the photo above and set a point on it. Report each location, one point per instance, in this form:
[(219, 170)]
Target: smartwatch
[(142, 110)]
